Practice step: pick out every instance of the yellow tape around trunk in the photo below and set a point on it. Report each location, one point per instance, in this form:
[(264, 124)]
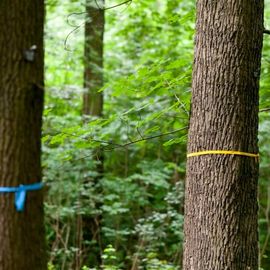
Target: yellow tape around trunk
[(222, 152)]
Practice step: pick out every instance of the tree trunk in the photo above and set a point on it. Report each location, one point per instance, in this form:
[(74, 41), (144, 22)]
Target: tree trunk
[(22, 234), (221, 190), (93, 106), (93, 57)]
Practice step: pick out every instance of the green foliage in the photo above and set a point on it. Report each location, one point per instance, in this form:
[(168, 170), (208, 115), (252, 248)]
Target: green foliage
[(50, 266), (148, 58), (153, 263), (110, 259), (264, 142)]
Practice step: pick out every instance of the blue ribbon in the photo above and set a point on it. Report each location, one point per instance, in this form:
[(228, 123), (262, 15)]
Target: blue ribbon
[(20, 193)]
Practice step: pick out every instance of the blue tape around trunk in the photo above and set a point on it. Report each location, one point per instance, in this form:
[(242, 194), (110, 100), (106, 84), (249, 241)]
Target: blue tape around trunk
[(20, 193)]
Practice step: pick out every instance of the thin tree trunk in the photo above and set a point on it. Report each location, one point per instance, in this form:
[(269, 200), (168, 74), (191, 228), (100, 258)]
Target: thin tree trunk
[(221, 190), (93, 57), (93, 106), (22, 234)]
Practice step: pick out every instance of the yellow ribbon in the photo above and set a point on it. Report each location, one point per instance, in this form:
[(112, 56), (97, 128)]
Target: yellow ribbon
[(222, 152)]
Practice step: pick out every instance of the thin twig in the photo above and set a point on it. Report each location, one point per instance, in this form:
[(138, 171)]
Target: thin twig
[(69, 34), (266, 31), (265, 110), (148, 138), (118, 5), (125, 145), (139, 132), (86, 139), (76, 27), (182, 105)]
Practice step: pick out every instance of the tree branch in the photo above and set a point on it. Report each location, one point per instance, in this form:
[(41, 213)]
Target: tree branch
[(145, 139), (265, 110), (266, 31), (117, 145), (111, 7), (123, 146)]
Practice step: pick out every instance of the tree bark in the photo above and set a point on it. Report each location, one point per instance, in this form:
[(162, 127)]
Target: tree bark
[(22, 234), (221, 190), (93, 106), (93, 57)]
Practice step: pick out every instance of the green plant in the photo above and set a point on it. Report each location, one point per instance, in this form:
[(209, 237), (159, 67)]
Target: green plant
[(109, 258)]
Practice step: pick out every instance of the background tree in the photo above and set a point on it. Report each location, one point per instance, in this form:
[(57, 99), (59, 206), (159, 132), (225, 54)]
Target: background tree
[(21, 102), (89, 235), (221, 190), (93, 58), (148, 52)]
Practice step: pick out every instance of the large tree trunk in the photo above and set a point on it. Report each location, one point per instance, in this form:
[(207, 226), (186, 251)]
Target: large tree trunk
[(221, 190), (21, 102)]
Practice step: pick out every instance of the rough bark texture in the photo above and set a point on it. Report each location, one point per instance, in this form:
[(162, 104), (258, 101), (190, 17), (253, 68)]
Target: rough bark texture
[(21, 101), (221, 190), (93, 57)]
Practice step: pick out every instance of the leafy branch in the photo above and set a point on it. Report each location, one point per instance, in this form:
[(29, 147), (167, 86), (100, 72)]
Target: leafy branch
[(124, 145)]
